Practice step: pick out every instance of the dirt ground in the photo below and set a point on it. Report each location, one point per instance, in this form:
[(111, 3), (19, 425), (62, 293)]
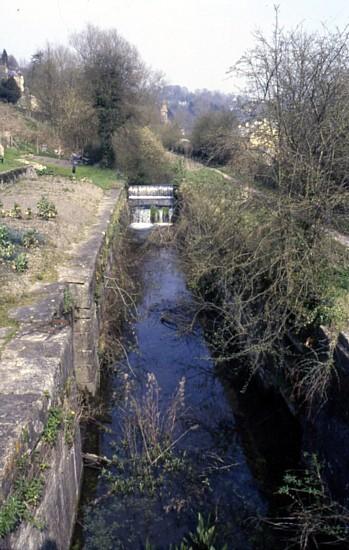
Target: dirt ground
[(77, 205)]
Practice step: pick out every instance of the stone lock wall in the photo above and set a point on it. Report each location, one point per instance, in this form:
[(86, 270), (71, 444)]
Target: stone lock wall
[(52, 357)]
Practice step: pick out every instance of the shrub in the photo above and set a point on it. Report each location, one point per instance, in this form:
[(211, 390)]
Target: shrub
[(68, 301), (20, 263), (29, 213), (141, 156), (6, 247), (45, 171), (313, 517), (263, 274), (9, 90), (204, 537), (171, 135), (17, 507), (3, 235), (30, 238), (17, 211), (215, 137), (46, 209)]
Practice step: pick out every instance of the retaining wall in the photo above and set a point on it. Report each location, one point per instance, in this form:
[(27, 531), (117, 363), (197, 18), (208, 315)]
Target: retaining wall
[(52, 357), (11, 176)]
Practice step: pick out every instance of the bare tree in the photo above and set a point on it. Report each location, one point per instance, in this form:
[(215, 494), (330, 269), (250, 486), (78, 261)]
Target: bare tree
[(262, 263), (50, 72), (55, 79), (301, 81), (215, 137)]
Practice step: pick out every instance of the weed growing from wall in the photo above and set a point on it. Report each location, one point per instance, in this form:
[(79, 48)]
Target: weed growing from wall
[(53, 425), (18, 506), (68, 302)]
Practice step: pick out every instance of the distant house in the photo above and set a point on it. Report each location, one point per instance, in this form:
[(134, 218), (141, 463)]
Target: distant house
[(164, 113), (261, 135)]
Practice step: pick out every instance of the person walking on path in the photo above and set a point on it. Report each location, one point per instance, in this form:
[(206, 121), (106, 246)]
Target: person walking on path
[(74, 163), (2, 153)]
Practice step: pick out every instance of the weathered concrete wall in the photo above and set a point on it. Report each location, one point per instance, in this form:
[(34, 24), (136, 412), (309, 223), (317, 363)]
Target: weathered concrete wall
[(57, 510), (52, 355), (11, 176), (82, 277), (36, 368)]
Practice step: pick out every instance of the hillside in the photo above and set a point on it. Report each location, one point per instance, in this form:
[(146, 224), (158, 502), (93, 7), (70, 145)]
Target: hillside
[(185, 106), (19, 129)]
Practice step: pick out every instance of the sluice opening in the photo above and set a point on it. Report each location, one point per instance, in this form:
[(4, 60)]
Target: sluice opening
[(151, 205)]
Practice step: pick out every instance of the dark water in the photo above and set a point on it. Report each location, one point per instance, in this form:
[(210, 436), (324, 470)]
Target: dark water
[(223, 465)]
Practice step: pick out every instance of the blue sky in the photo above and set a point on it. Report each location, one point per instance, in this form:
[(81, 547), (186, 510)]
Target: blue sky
[(193, 42)]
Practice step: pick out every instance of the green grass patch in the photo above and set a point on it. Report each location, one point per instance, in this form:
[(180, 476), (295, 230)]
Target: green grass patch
[(105, 178), (6, 304), (338, 292), (9, 302), (11, 160), (204, 176)]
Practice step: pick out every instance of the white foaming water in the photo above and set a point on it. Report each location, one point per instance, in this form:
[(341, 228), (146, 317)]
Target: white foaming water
[(141, 215), (140, 191), (144, 215)]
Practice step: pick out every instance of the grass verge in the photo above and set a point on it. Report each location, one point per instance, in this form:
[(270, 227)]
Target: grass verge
[(105, 178), (11, 160)]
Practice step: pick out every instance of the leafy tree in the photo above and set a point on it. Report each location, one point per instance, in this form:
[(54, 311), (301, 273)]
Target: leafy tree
[(170, 135), (114, 75), (77, 121), (215, 137), (9, 91), (89, 93), (141, 155)]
